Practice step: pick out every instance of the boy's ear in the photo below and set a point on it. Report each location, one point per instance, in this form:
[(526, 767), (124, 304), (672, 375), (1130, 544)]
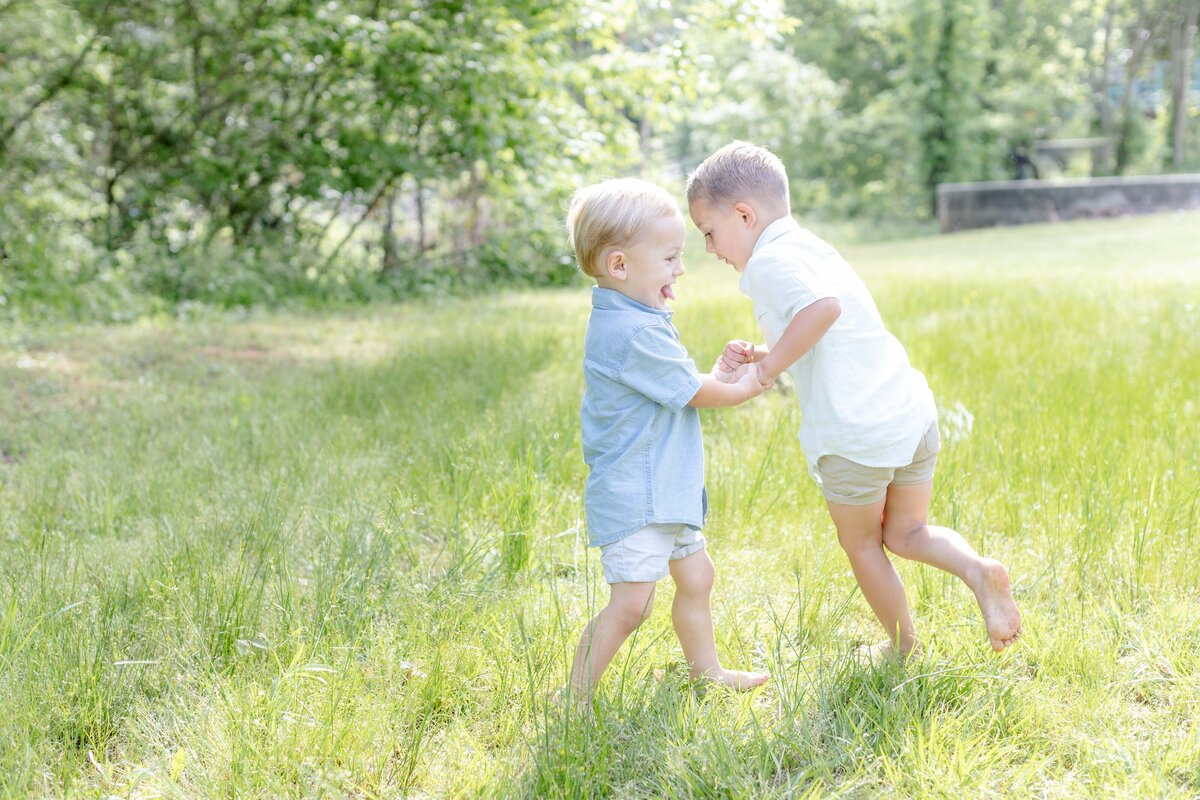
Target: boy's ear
[(614, 264), (747, 213)]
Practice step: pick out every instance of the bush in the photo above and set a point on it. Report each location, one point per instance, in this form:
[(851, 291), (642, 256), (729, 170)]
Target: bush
[(531, 257), (61, 275)]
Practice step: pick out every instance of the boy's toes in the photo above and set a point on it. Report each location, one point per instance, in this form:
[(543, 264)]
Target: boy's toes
[(752, 680), (737, 679), (1001, 644)]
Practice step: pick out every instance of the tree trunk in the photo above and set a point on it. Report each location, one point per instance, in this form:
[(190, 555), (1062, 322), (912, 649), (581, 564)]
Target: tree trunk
[(420, 201), (1144, 39), (940, 145), (371, 206), (111, 212), (1183, 36), (391, 258), (1104, 110), (1149, 28), (479, 221)]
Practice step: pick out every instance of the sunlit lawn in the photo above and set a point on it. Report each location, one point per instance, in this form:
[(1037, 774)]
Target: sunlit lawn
[(342, 555)]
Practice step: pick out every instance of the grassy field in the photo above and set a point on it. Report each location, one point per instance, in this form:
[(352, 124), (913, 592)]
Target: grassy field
[(343, 555)]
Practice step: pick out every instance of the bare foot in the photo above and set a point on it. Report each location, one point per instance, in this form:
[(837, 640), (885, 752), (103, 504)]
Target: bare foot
[(735, 679), (885, 651), (1000, 612)]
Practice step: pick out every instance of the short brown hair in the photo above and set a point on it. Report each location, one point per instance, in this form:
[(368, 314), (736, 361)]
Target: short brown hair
[(740, 171), (613, 213)]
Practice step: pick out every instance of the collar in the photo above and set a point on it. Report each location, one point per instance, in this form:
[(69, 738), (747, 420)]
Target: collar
[(613, 300), (779, 227)]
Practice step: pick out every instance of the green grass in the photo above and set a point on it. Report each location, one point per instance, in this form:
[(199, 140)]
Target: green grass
[(343, 555)]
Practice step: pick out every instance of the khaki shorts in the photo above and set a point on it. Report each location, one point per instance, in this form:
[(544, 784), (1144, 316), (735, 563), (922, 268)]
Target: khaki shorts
[(645, 555), (843, 481)]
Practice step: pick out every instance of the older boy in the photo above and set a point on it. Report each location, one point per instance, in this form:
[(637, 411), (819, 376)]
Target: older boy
[(645, 500), (869, 423)]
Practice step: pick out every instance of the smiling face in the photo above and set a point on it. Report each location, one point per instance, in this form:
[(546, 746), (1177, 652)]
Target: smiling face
[(646, 269), (730, 231)]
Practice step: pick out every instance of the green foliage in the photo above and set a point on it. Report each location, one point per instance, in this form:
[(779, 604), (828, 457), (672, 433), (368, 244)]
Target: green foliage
[(212, 143), (949, 43), (279, 151), (56, 272)]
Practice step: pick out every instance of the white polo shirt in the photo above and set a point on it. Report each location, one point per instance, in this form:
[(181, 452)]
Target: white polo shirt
[(859, 398)]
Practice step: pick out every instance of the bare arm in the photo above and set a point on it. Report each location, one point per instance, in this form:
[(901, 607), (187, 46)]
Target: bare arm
[(803, 332), (716, 394)]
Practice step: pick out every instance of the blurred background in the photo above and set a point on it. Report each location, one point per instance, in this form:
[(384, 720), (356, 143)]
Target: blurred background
[(155, 155)]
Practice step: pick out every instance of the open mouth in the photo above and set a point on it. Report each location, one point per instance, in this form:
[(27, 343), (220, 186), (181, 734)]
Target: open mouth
[(667, 292)]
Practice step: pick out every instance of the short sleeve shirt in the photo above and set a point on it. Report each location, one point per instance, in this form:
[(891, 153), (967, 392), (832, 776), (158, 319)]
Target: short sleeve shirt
[(859, 397), (641, 440)]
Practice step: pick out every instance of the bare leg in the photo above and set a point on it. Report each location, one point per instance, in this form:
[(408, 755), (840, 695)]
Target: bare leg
[(860, 533), (628, 605), (692, 615), (907, 534)]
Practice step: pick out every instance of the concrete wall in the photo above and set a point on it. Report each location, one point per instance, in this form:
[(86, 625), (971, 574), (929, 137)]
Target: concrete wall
[(981, 205)]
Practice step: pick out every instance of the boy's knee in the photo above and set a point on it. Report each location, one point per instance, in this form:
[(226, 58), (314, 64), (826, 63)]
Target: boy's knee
[(697, 579), (630, 613), (854, 545), (896, 537), (863, 548)]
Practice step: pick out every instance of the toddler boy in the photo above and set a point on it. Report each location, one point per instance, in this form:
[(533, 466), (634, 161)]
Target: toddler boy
[(644, 500)]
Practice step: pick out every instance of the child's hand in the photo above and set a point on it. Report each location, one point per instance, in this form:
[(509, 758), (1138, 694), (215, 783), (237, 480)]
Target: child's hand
[(757, 371), (736, 353), (725, 375), (748, 378)]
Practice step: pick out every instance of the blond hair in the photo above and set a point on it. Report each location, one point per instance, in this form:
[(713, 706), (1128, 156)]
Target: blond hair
[(737, 172), (613, 213)]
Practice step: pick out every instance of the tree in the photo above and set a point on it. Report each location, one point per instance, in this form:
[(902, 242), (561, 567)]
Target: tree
[(1182, 54)]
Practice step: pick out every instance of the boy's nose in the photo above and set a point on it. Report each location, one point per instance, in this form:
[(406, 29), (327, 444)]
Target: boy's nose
[(708, 247)]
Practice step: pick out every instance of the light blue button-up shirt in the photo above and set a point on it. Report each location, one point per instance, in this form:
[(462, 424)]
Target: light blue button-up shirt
[(640, 437)]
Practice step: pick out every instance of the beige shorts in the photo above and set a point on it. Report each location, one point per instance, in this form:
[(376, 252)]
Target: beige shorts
[(843, 481), (645, 555)]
